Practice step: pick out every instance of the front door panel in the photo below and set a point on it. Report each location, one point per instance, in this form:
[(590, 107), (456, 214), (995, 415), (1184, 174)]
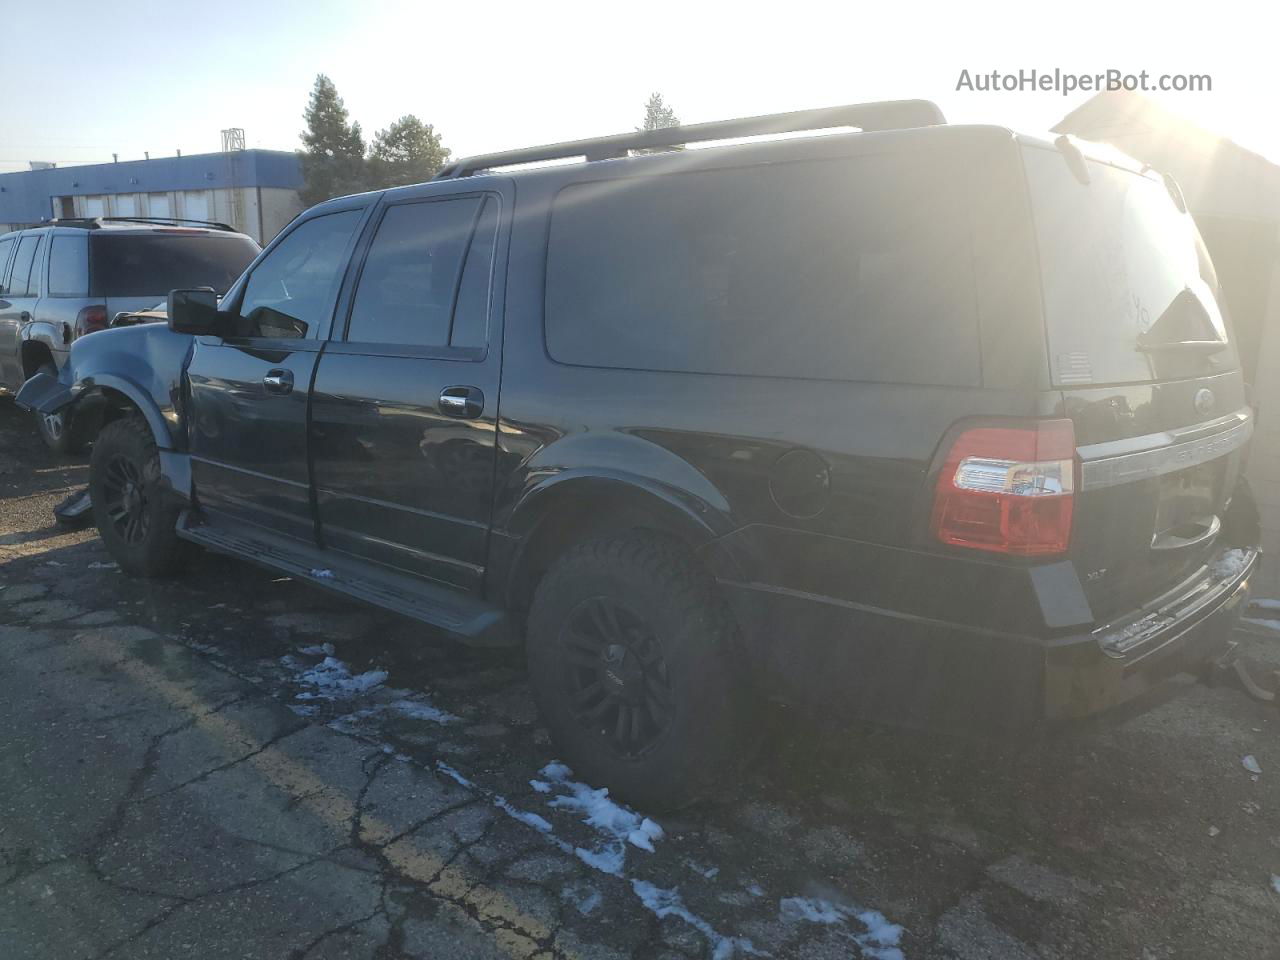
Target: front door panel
[(249, 433)]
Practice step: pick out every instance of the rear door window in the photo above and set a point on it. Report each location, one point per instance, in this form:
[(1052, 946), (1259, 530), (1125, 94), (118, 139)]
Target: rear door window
[(1124, 275), (409, 286), (152, 264), (851, 269)]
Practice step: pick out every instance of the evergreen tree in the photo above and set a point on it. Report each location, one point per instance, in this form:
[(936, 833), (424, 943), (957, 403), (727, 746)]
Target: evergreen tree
[(408, 151), (333, 162), (657, 115)]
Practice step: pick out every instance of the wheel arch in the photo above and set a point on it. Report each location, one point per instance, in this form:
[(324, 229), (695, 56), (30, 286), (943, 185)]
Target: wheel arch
[(576, 505)]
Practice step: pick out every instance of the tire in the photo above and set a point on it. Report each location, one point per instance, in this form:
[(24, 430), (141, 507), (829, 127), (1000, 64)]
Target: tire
[(136, 519), (56, 429), (637, 618)]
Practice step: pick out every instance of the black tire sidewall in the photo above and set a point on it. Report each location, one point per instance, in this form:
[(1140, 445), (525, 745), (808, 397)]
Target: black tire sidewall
[(698, 751), (158, 553)]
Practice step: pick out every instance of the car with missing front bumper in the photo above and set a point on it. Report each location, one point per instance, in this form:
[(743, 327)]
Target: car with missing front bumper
[(933, 425)]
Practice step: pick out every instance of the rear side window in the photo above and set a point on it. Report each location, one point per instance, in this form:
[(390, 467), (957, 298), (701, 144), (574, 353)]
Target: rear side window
[(424, 282), (851, 269), (69, 266), (1124, 275), (24, 280), (6, 249), (146, 265)]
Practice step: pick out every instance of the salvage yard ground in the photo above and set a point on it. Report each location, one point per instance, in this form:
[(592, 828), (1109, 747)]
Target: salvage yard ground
[(236, 765)]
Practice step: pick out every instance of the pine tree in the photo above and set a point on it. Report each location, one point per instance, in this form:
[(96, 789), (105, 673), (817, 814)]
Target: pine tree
[(408, 151), (657, 115), (333, 162)]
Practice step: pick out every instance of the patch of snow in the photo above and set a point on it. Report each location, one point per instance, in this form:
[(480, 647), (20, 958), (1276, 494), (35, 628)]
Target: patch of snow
[(709, 873), (319, 650), (599, 812), (1230, 564), (667, 903), (421, 709), (331, 679), (103, 565), (322, 573), (879, 939), (585, 902), (756, 890), (524, 816), (453, 774), (1214, 831), (1251, 764), (540, 785)]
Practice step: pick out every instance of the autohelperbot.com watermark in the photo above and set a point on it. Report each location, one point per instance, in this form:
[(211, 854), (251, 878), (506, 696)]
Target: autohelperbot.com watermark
[(1066, 82)]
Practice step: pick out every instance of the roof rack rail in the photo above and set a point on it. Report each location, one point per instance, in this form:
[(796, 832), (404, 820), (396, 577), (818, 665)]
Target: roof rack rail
[(879, 115), (93, 223)]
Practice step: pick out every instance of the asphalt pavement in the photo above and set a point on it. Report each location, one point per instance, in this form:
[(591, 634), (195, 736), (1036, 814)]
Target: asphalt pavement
[(232, 764)]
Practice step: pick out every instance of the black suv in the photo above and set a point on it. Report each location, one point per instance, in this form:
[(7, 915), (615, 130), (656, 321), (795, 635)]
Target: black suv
[(935, 425)]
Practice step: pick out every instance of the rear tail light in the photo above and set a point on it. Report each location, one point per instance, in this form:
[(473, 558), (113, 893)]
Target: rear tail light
[(90, 320), (1008, 489)]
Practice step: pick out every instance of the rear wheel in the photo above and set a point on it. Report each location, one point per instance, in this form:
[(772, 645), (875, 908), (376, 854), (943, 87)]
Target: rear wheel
[(56, 428), (630, 662), (137, 521)]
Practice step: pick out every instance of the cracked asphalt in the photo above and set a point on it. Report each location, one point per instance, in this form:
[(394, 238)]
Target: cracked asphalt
[(181, 777)]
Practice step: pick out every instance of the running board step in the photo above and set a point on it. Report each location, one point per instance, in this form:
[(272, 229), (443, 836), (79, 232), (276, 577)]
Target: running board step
[(467, 619)]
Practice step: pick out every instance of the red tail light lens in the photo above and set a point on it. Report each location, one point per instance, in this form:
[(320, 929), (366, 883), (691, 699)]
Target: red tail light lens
[(90, 320), (1008, 489)]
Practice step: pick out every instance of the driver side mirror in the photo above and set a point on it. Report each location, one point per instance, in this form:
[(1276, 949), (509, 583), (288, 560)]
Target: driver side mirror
[(193, 311)]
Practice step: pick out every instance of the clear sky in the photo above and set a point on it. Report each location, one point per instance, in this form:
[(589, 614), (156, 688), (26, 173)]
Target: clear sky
[(90, 78)]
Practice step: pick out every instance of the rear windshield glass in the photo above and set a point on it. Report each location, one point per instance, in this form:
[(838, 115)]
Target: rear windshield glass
[(1125, 276), (851, 269), (143, 265)]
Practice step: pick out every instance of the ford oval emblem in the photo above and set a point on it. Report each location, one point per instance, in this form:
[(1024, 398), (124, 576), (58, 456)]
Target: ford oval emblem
[(1204, 401)]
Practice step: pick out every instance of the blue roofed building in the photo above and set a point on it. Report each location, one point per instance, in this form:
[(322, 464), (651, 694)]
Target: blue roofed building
[(256, 191)]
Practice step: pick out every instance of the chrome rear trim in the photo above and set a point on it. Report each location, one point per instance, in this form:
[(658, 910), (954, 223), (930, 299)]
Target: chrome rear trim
[(1155, 454)]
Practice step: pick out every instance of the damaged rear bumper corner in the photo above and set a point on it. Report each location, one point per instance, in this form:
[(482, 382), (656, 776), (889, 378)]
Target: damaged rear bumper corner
[(1180, 634)]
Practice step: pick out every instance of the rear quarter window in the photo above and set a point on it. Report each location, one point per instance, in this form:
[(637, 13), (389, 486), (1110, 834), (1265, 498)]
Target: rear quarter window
[(851, 269)]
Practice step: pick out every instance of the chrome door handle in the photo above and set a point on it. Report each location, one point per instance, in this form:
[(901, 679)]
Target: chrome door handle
[(278, 381), (466, 403)]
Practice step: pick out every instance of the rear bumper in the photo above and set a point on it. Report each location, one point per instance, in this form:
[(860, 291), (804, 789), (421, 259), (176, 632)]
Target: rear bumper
[(862, 662)]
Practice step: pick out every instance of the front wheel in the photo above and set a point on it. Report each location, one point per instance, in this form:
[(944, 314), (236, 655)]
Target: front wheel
[(55, 429), (631, 662), (137, 521)]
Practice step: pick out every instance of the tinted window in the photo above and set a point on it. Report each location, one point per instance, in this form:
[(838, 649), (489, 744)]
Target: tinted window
[(69, 267), (471, 315), (145, 265), (6, 248), (23, 281), (1122, 267), (292, 291), (855, 269), (409, 284)]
